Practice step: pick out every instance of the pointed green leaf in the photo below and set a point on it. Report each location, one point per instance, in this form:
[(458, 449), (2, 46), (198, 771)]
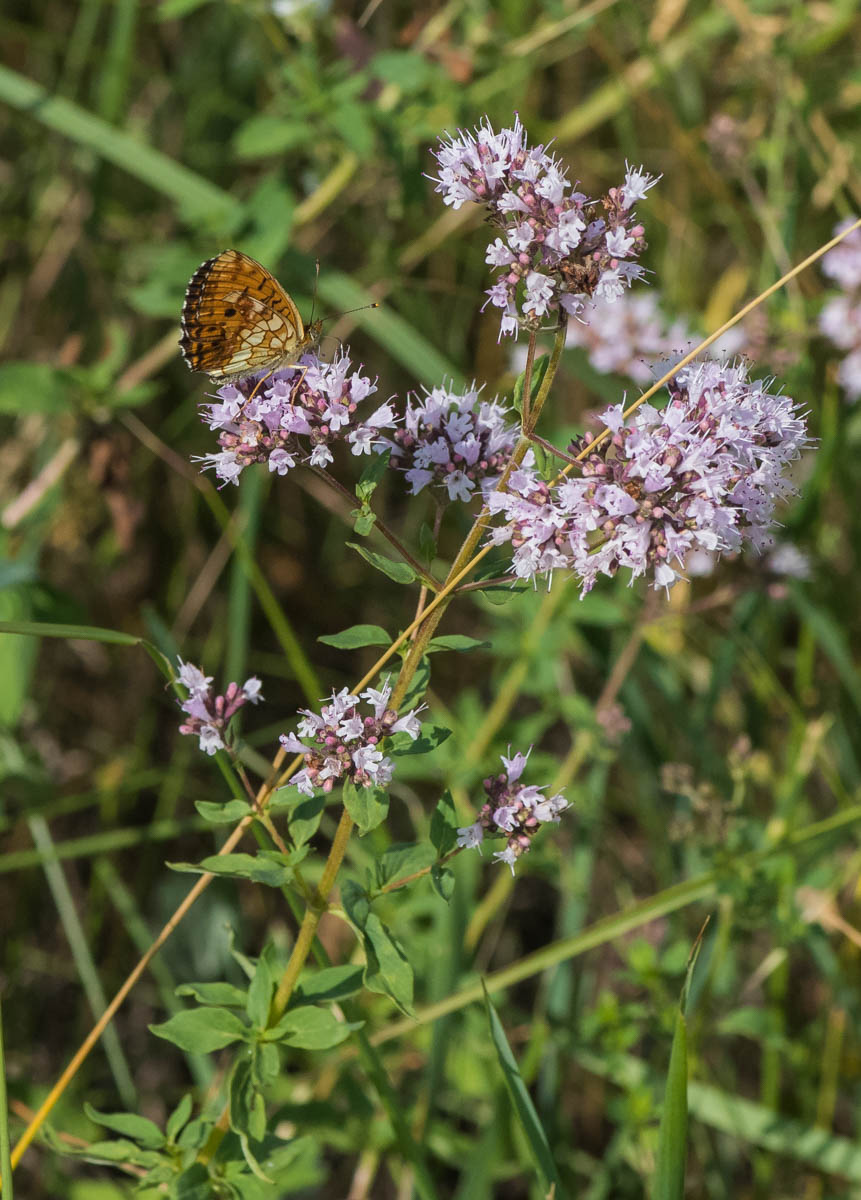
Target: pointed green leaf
[(403, 859), (368, 806), (356, 902), (430, 737), (372, 474), (305, 819), (309, 1028), (400, 572), (178, 1118), (217, 992), (444, 825), (456, 641), (328, 985), (539, 369), (357, 636), (387, 969), (443, 881), (524, 1109), (140, 1129), (227, 813), (427, 543), (669, 1181), (269, 867), (202, 1030)]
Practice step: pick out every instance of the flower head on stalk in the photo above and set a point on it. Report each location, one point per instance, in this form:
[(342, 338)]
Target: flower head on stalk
[(207, 715), (702, 474), (557, 248), (455, 440), (840, 319), (295, 417), (340, 743), (513, 810)]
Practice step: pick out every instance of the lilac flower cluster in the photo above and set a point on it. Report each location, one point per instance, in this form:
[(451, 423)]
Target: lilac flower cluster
[(704, 473), (840, 319), (207, 715), (456, 441), (513, 809), (295, 417), (558, 248), (341, 744)]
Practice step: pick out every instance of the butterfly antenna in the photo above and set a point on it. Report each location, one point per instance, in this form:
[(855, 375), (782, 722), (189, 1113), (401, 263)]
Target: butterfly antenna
[(346, 313), (314, 297)]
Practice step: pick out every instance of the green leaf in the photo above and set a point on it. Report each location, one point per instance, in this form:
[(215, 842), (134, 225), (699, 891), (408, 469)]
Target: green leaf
[(444, 825), (247, 1109), (456, 641), (117, 1150), (202, 1030), (357, 636), (524, 1109), (195, 1134), (443, 881), (266, 134), (305, 819), (310, 1028), (364, 520), (193, 1184), (427, 543), (260, 992), (430, 737), (539, 369), (143, 1131), (403, 859), (368, 806), (329, 984), (669, 1181), (178, 1118), (387, 969), (400, 572), (227, 813), (217, 992), (356, 902), (269, 867), (371, 476)]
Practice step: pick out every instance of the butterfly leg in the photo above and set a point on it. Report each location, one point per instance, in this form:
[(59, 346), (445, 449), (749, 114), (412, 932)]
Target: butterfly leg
[(258, 385)]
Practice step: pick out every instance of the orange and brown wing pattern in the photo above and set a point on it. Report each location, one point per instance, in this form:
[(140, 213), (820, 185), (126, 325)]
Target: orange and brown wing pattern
[(238, 320)]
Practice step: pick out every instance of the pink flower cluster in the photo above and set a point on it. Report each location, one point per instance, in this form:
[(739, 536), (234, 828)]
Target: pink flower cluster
[(840, 319), (341, 744), (295, 417), (557, 248), (513, 809), (454, 440), (207, 715), (702, 474)]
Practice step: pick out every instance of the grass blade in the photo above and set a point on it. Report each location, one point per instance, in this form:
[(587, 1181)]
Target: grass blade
[(191, 191), (5, 1153), (524, 1109), (669, 1182), (84, 964)]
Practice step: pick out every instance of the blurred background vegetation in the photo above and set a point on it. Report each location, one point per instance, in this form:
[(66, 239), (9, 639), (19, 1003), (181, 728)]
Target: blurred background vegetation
[(141, 138)]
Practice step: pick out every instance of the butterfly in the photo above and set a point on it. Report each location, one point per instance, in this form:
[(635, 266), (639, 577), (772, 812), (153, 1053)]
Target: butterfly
[(237, 320)]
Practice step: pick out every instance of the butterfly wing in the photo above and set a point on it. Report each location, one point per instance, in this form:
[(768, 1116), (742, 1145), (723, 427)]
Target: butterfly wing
[(238, 320)]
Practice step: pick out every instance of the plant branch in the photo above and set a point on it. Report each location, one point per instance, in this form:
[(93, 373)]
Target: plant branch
[(427, 579)]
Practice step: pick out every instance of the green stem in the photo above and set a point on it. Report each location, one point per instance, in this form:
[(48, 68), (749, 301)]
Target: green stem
[(426, 631)]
